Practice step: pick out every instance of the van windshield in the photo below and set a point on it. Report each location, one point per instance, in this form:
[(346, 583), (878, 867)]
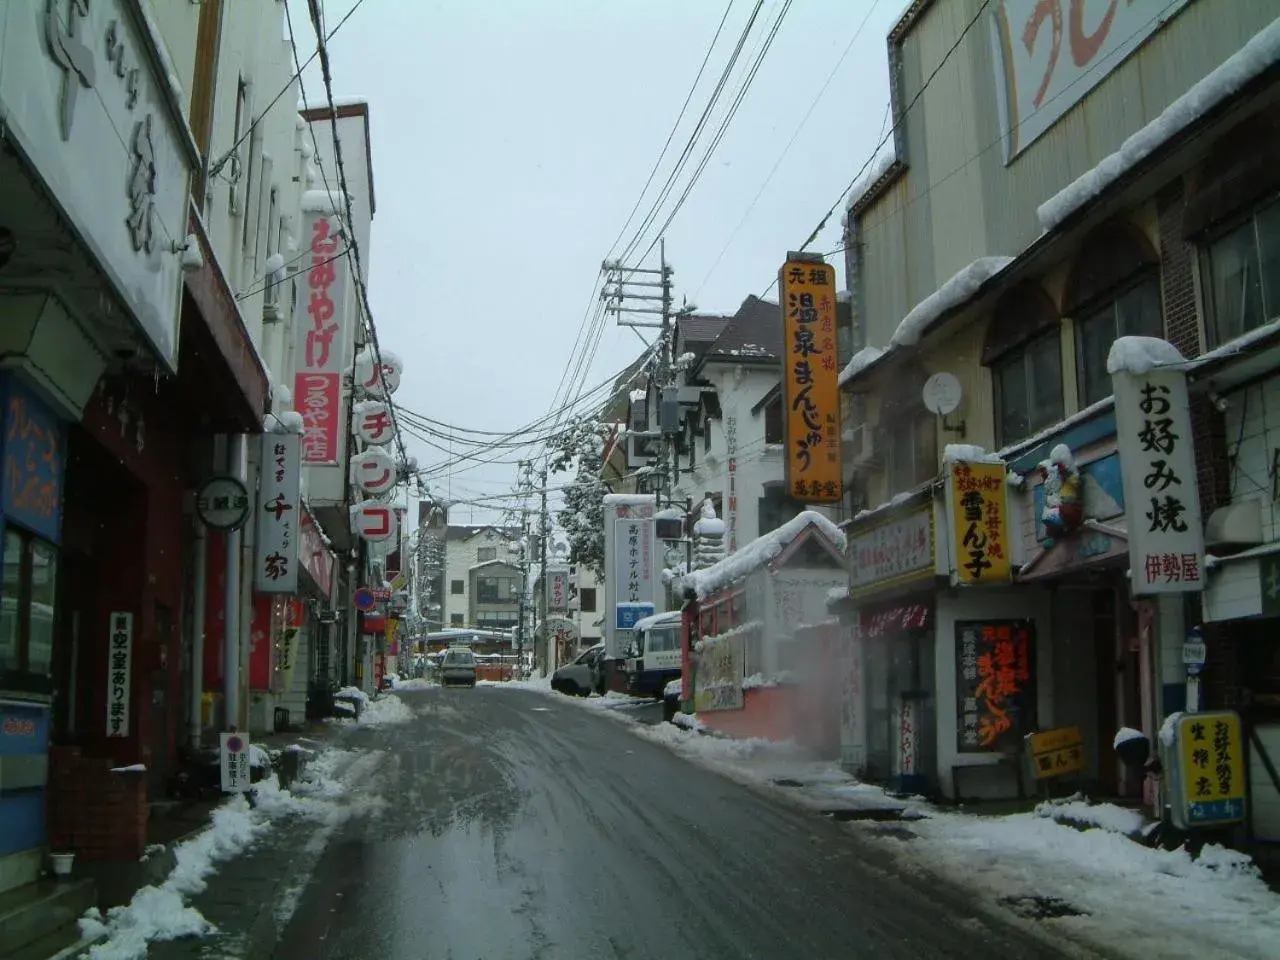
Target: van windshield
[(662, 639), (460, 658)]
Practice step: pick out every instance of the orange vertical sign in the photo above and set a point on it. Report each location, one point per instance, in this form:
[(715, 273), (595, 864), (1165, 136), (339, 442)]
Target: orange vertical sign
[(811, 420)]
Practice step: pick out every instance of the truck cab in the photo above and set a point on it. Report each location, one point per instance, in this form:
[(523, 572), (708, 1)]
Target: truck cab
[(654, 656)]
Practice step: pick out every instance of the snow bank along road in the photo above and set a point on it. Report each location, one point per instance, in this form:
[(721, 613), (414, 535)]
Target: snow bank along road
[(522, 826)]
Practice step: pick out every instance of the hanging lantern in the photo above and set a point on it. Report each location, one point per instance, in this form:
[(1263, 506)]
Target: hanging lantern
[(374, 471), (374, 522), (373, 422), (378, 380)]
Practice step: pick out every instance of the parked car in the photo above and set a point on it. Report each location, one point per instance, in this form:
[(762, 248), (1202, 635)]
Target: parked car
[(653, 659), (458, 667), (585, 674)]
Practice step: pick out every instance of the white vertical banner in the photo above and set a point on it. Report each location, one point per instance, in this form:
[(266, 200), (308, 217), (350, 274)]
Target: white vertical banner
[(633, 559), (119, 672), (1157, 462), (275, 568), (233, 762), (319, 322)]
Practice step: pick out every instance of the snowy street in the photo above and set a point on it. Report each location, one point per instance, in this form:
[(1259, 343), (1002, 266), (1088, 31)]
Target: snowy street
[(521, 825)]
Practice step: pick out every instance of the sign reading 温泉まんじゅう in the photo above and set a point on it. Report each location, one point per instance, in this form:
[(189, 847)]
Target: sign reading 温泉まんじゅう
[(811, 415)]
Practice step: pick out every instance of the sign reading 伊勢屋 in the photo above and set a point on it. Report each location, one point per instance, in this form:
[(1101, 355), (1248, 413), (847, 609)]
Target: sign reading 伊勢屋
[(811, 393), (1157, 462)]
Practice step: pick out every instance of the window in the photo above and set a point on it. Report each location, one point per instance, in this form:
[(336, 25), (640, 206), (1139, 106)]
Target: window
[(455, 619), (496, 619), (485, 554), (1244, 275), (1028, 384), (587, 599), (911, 452), (457, 587), (776, 508), (497, 589), (26, 612), (773, 421), (1134, 313)]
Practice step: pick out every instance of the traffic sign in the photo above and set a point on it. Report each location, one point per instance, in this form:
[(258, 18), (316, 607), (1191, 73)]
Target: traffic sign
[(1194, 652), (363, 599)]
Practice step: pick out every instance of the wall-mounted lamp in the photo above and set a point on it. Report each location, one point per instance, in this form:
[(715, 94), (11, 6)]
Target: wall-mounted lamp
[(1220, 403)]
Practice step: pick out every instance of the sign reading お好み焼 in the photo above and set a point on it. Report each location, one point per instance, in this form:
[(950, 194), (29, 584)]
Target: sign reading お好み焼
[(119, 672), (899, 548), (811, 417), (1206, 768), (276, 543), (319, 341), (1050, 53), (1157, 462)]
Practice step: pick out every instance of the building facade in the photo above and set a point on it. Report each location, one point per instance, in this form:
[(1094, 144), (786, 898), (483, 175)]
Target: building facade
[(480, 567)]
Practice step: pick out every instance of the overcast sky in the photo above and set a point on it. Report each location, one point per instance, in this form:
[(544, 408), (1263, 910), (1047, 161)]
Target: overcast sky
[(511, 139)]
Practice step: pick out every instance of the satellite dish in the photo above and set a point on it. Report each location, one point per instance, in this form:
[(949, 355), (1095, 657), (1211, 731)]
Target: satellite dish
[(942, 393)]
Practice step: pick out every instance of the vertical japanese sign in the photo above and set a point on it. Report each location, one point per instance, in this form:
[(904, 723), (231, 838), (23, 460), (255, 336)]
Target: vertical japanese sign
[(559, 596), (1209, 775), (811, 420), (119, 672), (34, 455), (995, 691), (1157, 463), (633, 559), (234, 764), (979, 523), (319, 342), (276, 543), (1050, 53), (731, 451)]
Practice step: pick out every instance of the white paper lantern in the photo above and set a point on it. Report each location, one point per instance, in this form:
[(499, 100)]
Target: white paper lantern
[(373, 422), (374, 522), (376, 380)]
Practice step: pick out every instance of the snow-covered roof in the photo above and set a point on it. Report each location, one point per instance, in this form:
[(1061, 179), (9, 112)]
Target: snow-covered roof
[(878, 167), (968, 453), (859, 362), (959, 288), (491, 563), (629, 499), (1247, 63), (657, 620), (759, 552)]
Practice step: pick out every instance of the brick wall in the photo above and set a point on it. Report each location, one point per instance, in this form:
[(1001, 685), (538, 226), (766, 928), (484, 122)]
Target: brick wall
[(92, 812), (1182, 328)]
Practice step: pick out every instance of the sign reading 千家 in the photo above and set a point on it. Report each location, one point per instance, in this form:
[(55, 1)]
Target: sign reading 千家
[(1049, 54), (811, 417), (119, 672), (319, 343), (1157, 461), (995, 696), (979, 518), (898, 548), (276, 543)]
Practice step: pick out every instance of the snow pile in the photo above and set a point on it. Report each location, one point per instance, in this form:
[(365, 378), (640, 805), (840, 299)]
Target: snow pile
[(837, 594), (712, 750), (967, 453), (951, 294), (1256, 56), (759, 552), (1139, 355), (879, 166), (413, 683), (859, 362), (537, 684), (164, 913), (674, 689), (757, 680), (383, 711), (1076, 811), (709, 527), (897, 500), (289, 421)]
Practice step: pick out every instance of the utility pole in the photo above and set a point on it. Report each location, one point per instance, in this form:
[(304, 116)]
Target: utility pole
[(616, 291), (523, 483), (544, 528)]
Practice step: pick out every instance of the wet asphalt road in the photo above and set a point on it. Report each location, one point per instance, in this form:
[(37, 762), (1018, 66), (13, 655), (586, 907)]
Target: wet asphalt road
[(522, 827)]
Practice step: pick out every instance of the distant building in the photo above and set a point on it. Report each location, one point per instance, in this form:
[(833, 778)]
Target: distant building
[(481, 577)]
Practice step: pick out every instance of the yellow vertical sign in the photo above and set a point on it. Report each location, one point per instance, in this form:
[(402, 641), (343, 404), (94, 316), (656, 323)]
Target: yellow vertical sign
[(1212, 768), (980, 522), (811, 419)]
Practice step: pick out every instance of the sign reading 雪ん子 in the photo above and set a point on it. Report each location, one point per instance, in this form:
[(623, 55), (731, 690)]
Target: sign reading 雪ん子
[(811, 393)]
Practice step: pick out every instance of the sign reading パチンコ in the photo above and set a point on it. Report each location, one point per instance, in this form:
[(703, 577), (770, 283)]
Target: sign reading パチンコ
[(811, 420)]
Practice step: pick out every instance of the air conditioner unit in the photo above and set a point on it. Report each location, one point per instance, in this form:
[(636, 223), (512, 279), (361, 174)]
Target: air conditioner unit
[(862, 446)]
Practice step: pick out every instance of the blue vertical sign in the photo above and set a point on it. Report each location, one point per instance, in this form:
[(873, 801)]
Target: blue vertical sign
[(33, 462)]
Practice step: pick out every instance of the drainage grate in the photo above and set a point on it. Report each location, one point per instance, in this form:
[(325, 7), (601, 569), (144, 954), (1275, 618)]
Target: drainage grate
[(1041, 908)]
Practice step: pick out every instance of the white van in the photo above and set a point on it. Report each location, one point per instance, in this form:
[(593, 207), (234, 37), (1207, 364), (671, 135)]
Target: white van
[(654, 658)]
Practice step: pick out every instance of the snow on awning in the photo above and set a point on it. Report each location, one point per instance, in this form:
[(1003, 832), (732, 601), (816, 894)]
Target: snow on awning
[(759, 552)]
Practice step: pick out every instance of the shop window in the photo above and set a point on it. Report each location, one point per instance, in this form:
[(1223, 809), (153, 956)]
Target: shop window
[(1134, 313), (455, 619), (911, 452), (587, 599), (1243, 269), (26, 612), (485, 554), (773, 421), (457, 587), (1028, 385)]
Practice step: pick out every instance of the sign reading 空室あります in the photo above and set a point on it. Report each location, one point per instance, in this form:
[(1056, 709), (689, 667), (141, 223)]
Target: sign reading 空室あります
[(276, 543), (979, 518), (119, 672), (811, 417), (1157, 462)]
